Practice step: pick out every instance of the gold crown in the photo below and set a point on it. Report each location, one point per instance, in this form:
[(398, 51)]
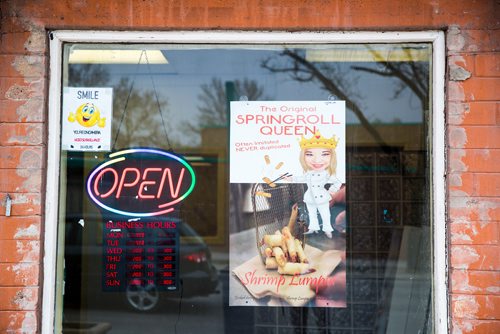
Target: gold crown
[(318, 141)]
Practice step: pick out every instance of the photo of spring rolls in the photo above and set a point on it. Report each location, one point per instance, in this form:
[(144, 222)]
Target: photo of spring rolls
[(294, 269), (273, 240), (279, 165), (279, 255), (300, 252), (286, 232), (263, 194), (284, 247), (267, 159), (269, 252), (292, 250), (269, 182), (290, 247), (271, 263)]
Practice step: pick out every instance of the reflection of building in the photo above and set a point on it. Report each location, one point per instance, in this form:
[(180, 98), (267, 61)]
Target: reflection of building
[(406, 136), (206, 207), (387, 196)]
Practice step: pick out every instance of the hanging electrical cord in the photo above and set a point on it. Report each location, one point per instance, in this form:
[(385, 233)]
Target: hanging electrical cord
[(158, 101), (179, 309), (156, 97), (126, 102)]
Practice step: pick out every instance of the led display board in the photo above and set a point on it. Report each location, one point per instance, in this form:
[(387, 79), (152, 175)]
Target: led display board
[(140, 253)]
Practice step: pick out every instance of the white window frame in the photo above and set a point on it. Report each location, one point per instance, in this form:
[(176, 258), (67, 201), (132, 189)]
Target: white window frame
[(437, 200)]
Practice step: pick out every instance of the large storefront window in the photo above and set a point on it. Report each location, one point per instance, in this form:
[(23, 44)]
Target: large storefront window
[(130, 260)]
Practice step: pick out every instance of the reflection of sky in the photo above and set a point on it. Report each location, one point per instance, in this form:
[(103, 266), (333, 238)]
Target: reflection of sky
[(179, 82)]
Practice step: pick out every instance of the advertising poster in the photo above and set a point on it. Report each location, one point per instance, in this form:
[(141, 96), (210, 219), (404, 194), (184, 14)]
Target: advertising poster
[(287, 204), (87, 119)]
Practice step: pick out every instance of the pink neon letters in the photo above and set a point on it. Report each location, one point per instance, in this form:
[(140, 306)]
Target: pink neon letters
[(151, 182)]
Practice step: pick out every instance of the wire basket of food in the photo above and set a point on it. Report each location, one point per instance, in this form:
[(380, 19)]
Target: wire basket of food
[(280, 222)]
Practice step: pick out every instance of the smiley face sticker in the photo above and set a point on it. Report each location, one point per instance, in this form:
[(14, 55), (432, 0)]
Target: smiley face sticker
[(87, 115), (87, 118)]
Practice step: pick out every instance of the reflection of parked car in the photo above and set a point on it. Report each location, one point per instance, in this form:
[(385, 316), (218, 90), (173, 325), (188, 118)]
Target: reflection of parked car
[(84, 249)]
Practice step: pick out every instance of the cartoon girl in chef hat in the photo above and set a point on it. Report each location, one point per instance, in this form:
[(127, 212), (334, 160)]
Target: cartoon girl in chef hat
[(319, 162)]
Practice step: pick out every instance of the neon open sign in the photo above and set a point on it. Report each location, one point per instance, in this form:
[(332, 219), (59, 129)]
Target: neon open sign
[(141, 182)]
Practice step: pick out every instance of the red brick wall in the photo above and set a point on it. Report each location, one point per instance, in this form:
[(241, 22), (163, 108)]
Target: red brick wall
[(473, 118), (474, 178)]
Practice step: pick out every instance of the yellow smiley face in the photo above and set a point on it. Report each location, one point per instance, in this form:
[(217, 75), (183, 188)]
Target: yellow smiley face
[(87, 115)]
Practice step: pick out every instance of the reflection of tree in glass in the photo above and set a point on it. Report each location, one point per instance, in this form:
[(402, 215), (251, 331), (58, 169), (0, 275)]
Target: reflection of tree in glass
[(329, 76), (411, 74), (87, 75), (214, 102), (140, 124)]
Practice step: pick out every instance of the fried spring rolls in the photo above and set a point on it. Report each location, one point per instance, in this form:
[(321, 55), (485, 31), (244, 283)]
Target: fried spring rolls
[(269, 252), (286, 232), (300, 252), (292, 250), (271, 263), (283, 243), (284, 247), (263, 194), (294, 269), (279, 255), (269, 182), (268, 160), (273, 240), (279, 165)]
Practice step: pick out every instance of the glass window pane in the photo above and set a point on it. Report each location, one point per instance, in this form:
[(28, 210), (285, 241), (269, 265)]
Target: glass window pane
[(176, 98)]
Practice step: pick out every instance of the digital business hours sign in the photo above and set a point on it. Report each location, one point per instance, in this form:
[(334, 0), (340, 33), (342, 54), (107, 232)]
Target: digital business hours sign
[(138, 188)]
